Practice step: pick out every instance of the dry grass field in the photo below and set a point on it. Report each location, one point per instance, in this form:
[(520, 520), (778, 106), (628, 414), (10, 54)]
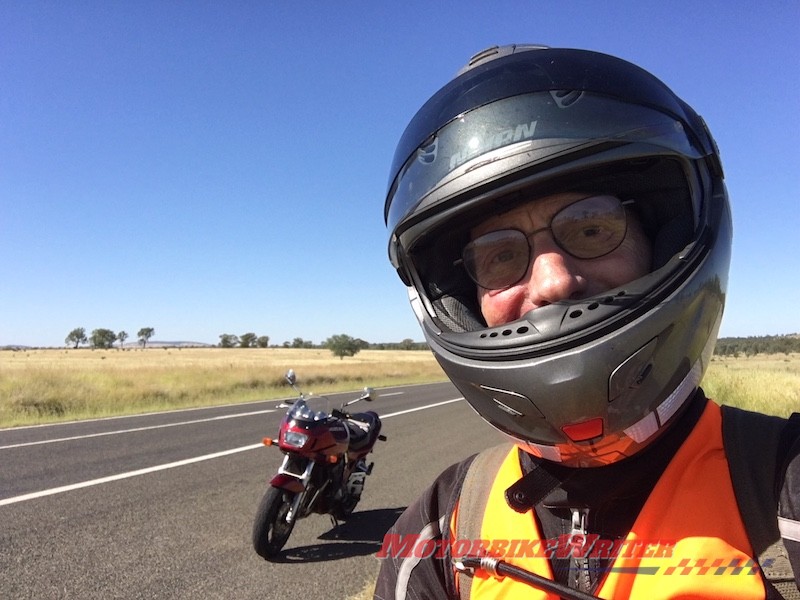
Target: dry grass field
[(38, 386), (767, 383)]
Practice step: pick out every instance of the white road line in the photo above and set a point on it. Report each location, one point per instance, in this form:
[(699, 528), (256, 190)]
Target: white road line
[(410, 410), (180, 463), (137, 415), (84, 484), (135, 429)]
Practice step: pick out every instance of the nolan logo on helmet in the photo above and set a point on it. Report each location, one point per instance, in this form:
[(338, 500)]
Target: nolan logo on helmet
[(477, 145)]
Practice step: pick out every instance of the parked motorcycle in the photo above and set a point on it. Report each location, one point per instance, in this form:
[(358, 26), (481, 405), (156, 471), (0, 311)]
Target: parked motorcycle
[(324, 465)]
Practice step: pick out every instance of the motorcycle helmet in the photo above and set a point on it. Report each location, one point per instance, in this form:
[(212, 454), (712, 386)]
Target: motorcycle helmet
[(583, 382)]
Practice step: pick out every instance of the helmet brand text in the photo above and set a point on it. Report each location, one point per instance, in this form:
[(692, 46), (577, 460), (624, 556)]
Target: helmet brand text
[(479, 145)]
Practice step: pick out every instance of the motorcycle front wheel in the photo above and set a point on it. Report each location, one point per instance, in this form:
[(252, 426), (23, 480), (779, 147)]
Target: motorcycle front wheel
[(270, 529)]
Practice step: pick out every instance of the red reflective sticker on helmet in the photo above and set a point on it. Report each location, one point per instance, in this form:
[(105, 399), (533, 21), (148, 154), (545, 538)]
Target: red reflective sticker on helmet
[(580, 432)]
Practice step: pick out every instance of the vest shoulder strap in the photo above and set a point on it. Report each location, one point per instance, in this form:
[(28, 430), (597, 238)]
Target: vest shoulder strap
[(472, 501), (756, 446)]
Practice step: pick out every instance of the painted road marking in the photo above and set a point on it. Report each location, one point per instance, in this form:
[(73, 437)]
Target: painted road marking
[(172, 465), (135, 429)]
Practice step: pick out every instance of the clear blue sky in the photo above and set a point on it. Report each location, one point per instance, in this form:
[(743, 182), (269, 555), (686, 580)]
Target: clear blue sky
[(207, 167)]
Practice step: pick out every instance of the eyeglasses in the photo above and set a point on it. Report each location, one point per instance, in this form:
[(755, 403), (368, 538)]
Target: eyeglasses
[(588, 228)]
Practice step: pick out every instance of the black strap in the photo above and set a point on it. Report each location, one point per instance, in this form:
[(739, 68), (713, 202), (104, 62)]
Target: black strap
[(473, 499), (756, 446), (534, 486)]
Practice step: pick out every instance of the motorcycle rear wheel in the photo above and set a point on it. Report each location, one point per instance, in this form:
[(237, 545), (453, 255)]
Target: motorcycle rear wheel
[(270, 529)]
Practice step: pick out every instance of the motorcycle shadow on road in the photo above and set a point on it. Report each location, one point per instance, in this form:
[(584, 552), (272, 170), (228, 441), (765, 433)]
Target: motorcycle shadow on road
[(361, 535)]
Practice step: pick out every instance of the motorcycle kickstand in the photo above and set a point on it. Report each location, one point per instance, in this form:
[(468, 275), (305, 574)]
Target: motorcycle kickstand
[(334, 522)]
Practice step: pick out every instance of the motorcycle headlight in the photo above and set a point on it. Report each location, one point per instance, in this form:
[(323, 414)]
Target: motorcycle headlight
[(295, 439)]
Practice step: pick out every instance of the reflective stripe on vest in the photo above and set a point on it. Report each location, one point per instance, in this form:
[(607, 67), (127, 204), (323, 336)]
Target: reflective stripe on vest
[(687, 542)]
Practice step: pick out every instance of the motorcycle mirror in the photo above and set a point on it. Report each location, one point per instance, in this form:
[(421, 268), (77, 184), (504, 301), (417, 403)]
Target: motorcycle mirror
[(369, 394), (291, 377)]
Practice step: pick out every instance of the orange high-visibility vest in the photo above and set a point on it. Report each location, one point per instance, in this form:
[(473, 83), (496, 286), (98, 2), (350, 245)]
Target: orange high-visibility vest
[(688, 541)]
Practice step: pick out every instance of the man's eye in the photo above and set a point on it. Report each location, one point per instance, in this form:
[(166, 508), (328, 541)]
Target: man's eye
[(503, 256), (591, 231)]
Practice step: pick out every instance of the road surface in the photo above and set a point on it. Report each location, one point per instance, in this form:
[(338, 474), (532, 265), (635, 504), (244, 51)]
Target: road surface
[(162, 505)]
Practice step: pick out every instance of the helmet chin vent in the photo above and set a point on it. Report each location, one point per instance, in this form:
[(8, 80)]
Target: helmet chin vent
[(522, 330), (556, 319)]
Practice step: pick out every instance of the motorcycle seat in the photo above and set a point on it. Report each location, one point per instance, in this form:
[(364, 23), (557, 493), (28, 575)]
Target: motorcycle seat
[(364, 429)]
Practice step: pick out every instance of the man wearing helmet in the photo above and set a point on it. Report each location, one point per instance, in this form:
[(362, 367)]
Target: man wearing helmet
[(561, 221)]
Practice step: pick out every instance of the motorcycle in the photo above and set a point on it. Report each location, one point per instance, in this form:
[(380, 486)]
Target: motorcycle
[(324, 465)]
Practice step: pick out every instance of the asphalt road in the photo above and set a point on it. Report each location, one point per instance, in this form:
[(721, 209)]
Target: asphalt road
[(161, 506)]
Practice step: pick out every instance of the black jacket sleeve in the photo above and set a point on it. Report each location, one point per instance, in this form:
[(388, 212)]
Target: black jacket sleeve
[(789, 504), (415, 557)]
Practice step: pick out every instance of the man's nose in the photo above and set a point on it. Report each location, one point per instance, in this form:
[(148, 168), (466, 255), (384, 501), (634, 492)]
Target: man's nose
[(552, 276)]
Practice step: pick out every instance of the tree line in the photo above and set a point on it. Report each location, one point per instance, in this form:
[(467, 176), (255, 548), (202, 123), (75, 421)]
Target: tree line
[(750, 346), (105, 338), (251, 340), (340, 345)]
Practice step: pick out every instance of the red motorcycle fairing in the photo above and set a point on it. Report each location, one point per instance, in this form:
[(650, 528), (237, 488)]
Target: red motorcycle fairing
[(287, 482), (326, 438)]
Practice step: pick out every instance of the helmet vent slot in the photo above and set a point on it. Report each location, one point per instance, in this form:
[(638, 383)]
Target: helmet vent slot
[(506, 332), (558, 319)]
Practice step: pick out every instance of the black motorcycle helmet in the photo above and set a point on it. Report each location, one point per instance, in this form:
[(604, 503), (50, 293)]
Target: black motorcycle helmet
[(585, 382)]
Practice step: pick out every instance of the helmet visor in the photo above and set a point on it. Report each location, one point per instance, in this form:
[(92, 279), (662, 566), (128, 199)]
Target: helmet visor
[(535, 128)]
